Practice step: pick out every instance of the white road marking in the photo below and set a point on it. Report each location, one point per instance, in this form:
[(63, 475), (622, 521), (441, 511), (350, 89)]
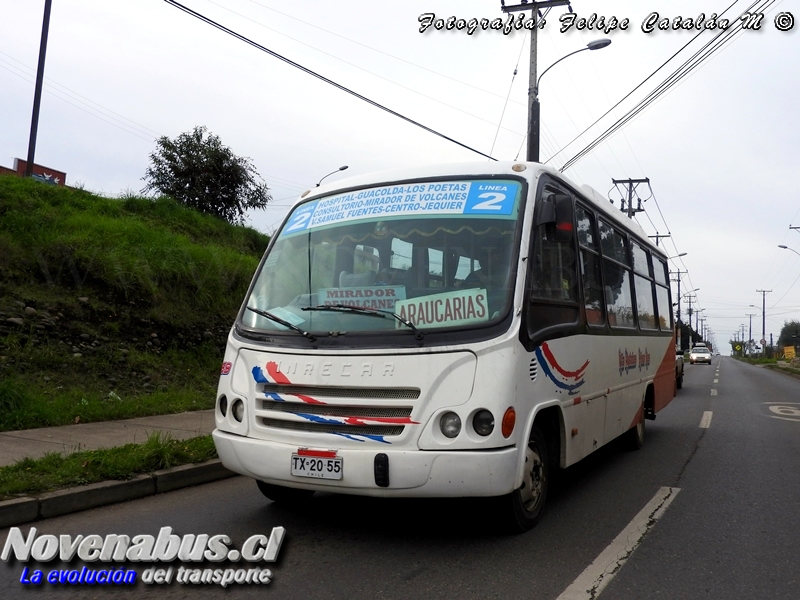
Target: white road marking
[(786, 411), (705, 422), (716, 381), (713, 392), (599, 574)]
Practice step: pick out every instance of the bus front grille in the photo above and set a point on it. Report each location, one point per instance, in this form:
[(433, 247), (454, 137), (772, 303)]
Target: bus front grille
[(331, 410), (381, 430), (336, 418)]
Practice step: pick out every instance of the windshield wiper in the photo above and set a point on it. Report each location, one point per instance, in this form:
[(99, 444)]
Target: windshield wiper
[(370, 312), (271, 317)]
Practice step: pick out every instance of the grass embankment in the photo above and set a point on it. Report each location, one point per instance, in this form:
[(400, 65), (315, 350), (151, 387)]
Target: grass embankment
[(112, 308), (55, 471)]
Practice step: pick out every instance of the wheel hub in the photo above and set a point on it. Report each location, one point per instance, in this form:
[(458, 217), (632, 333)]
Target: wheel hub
[(533, 480)]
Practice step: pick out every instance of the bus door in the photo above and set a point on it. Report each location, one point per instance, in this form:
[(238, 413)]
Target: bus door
[(554, 323)]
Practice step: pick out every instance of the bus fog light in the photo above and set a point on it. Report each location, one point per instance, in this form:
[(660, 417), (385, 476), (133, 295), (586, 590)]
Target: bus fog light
[(509, 420), (483, 422), (223, 405), (450, 424), (237, 410)]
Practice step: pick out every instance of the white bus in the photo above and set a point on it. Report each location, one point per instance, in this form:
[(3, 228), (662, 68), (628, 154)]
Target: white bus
[(450, 331)]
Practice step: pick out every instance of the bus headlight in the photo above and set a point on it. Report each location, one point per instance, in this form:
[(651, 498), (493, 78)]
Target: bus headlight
[(237, 410), (483, 422), (450, 424)]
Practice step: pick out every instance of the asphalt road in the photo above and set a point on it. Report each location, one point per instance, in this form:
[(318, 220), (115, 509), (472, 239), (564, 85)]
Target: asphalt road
[(728, 447)]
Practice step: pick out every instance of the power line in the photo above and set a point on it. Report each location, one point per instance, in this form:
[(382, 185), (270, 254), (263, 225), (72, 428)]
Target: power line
[(408, 62), (355, 66), (320, 77), (710, 48), (510, 87)]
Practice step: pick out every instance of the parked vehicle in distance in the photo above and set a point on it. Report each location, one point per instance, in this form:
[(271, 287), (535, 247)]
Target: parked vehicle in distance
[(678, 368), (700, 354)]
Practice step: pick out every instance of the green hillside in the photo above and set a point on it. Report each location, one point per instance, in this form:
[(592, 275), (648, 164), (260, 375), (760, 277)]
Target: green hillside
[(112, 308)]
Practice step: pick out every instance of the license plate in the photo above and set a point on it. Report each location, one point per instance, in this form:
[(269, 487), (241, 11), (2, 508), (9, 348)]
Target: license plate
[(317, 467)]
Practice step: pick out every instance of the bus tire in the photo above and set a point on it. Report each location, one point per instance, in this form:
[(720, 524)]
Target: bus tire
[(283, 495), (524, 505), (634, 437)]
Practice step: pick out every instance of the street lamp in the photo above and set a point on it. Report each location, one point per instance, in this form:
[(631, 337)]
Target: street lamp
[(534, 121), (787, 248), (342, 168), (677, 255)]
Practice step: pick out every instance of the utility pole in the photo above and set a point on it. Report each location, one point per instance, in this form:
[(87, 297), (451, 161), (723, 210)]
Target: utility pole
[(658, 237), (37, 94), (678, 280), (631, 183), (532, 154), (691, 335), (750, 333), (764, 320)]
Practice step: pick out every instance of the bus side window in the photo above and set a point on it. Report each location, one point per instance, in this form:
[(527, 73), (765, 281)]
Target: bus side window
[(590, 268), (617, 277)]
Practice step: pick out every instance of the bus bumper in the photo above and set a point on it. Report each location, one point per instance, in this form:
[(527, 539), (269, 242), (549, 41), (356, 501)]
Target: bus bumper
[(412, 473)]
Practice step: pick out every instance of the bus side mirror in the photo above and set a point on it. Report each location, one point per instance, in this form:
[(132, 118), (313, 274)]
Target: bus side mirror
[(564, 223), (555, 214), (546, 214)]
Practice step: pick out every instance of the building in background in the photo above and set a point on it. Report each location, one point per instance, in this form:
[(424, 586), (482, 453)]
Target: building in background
[(44, 174)]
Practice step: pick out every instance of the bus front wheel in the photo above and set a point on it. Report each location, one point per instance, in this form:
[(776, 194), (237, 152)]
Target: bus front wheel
[(283, 495), (524, 506)]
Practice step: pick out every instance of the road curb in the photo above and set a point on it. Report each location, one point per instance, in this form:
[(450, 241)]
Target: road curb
[(61, 502)]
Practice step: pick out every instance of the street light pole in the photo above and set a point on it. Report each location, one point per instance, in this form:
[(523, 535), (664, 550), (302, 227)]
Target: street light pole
[(534, 120), (37, 94), (534, 124)]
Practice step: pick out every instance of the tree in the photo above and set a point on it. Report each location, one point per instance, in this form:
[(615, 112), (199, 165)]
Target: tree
[(199, 172), (788, 331)]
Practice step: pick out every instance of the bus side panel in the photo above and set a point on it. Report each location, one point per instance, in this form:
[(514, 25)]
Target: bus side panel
[(664, 383)]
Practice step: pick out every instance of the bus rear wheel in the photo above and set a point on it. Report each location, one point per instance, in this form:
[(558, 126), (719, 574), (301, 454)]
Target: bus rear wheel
[(524, 505), (283, 495)]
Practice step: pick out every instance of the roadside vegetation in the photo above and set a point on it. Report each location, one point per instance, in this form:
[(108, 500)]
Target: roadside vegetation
[(112, 308), (54, 471), (771, 363), (757, 360)]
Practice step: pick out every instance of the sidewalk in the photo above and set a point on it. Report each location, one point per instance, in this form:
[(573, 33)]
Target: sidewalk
[(35, 443)]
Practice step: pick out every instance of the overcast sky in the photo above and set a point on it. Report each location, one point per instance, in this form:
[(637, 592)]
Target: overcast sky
[(720, 148)]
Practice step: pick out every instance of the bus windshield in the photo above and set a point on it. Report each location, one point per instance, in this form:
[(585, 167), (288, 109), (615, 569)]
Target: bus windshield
[(437, 255)]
